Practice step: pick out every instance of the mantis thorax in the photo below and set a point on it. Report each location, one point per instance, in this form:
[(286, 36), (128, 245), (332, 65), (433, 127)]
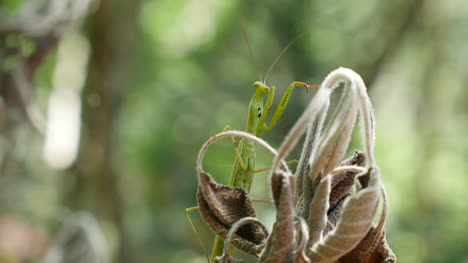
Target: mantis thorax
[(256, 106)]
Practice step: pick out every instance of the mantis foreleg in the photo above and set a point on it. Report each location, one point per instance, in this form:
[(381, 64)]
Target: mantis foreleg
[(279, 109)]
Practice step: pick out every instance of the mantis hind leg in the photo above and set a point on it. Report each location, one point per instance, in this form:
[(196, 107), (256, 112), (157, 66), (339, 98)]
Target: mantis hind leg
[(236, 149), (194, 229), (269, 168)]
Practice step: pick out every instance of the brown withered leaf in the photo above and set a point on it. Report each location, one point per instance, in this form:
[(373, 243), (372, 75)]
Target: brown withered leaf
[(336, 136), (354, 223), (303, 184), (373, 248), (317, 219), (334, 213), (226, 257), (302, 258), (282, 241), (303, 238), (221, 206), (342, 184)]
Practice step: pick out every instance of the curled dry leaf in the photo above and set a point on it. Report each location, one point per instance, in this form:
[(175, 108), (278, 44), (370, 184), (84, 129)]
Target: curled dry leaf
[(323, 150), (226, 257), (344, 181), (317, 219), (342, 184), (303, 169), (373, 247), (321, 153), (221, 206), (355, 222), (282, 242), (310, 174), (336, 136), (300, 253)]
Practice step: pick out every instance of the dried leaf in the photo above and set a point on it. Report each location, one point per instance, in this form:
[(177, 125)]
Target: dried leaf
[(304, 190), (334, 213), (355, 222), (282, 241), (342, 184), (317, 219), (336, 136), (323, 150), (373, 247), (302, 258), (300, 252), (226, 257), (221, 206)]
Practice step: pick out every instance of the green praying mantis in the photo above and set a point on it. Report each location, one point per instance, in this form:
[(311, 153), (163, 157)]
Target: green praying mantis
[(244, 166)]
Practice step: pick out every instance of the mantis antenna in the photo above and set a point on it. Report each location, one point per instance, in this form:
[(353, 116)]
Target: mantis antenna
[(274, 62), (250, 50), (281, 54)]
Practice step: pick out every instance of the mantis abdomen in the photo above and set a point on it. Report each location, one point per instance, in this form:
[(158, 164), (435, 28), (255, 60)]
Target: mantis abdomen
[(244, 177)]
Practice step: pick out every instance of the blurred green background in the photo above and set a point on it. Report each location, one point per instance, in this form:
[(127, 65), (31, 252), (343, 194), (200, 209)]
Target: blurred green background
[(162, 76)]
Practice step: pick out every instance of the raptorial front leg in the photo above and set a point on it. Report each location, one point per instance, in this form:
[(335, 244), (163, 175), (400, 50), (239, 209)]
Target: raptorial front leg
[(283, 104)]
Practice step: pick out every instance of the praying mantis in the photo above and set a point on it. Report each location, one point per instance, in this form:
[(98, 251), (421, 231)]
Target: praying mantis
[(258, 112)]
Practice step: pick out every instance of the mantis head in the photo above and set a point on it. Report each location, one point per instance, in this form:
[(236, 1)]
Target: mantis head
[(260, 87)]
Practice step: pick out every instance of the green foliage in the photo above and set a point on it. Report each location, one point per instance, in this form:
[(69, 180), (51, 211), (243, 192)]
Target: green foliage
[(19, 47), (9, 7)]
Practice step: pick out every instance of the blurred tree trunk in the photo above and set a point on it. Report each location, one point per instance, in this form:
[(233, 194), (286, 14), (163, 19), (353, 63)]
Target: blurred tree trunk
[(411, 13), (97, 177)]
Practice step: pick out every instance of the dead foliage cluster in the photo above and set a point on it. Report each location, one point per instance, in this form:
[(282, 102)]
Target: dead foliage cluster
[(325, 210)]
